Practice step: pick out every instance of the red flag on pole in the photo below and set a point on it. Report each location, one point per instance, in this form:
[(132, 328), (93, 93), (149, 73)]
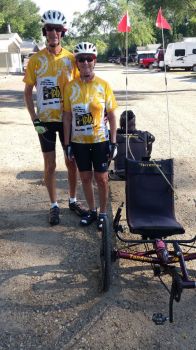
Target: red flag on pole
[(124, 24), (161, 22)]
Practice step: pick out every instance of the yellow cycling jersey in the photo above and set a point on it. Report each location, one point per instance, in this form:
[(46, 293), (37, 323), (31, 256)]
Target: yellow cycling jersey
[(88, 102), (49, 73)]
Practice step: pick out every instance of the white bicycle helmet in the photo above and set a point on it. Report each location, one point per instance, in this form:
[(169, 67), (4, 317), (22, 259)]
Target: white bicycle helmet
[(53, 17), (85, 48)]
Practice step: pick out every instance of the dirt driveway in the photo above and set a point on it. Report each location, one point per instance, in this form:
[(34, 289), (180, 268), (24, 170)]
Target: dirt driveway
[(50, 295)]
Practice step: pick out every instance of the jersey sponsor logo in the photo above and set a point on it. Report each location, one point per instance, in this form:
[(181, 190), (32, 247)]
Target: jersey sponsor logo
[(84, 119), (51, 92)]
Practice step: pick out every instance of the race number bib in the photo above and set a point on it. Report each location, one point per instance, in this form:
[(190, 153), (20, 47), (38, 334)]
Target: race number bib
[(85, 119), (48, 94), (51, 92)]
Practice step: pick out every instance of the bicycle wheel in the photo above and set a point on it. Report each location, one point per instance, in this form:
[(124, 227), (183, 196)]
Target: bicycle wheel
[(105, 255), (176, 291)]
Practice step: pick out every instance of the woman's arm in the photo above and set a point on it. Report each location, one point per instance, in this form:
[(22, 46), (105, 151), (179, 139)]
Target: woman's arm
[(112, 121)]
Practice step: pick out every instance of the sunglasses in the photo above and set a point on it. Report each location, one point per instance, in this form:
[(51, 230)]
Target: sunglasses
[(58, 29), (85, 58)]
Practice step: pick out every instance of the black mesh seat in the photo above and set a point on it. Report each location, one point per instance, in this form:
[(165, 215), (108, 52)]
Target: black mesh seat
[(138, 148), (150, 199)]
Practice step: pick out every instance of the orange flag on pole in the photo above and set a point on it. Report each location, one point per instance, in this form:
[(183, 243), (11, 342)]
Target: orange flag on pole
[(161, 22), (124, 24)]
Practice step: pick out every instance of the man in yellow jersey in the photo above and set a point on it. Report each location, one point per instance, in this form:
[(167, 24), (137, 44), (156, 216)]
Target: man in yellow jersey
[(49, 70), (86, 100)]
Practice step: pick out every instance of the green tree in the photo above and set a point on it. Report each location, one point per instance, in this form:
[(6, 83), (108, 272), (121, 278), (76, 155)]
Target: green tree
[(23, 17), (98, 19), (101, 20), (99, 23), (181, 14)]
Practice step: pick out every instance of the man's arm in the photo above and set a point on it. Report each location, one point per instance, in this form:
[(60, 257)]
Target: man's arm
[(67, 118), (28, 97)]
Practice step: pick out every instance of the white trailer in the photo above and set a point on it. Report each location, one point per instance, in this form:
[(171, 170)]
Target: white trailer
[(181, 55)]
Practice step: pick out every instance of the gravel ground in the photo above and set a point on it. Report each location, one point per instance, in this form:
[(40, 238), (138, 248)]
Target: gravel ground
[(50, 294)]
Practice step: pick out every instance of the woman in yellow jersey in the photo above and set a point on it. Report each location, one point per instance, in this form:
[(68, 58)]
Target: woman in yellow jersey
[(49, 70), (86, 99)]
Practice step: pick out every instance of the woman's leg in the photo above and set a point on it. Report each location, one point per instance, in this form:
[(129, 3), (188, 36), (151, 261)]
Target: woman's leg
[(87, 184), (103, 189)]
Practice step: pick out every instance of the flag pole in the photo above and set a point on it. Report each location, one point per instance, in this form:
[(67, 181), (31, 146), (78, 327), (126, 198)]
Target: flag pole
[(124, 26), (166, 88), (126, 55)]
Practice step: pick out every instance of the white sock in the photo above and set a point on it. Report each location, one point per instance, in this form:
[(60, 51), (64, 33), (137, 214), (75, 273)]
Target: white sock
[(55, 204), (72, 200)]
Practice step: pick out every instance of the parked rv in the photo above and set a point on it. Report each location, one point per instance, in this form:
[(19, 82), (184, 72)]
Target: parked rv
[(181, 55)]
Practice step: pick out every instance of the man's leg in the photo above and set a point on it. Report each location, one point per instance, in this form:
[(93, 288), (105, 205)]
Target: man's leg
[(50, 182), (49, 174)]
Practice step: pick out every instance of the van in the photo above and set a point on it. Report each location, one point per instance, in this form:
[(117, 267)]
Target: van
[(144, 54), (159, 59), (131, 59), (181, 55)]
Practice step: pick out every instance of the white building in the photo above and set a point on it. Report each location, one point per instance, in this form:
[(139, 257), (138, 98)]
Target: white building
[(10, 56)]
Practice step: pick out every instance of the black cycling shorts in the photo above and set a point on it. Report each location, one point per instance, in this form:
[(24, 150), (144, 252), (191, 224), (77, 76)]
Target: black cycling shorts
[(48, 139), (90, 156)]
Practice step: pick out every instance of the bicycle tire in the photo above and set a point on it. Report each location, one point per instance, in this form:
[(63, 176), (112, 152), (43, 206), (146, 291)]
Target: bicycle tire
[(176, 291), (105, 256)]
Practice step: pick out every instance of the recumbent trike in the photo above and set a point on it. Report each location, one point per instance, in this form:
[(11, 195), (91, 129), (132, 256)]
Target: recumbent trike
[(150, 214)]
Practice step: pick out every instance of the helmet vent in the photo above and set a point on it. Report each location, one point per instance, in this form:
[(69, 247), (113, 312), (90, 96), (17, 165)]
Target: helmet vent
[(53, 17), (85, 48)]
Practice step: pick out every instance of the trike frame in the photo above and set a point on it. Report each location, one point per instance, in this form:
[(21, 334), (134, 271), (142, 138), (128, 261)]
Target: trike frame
[(160, 257)]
